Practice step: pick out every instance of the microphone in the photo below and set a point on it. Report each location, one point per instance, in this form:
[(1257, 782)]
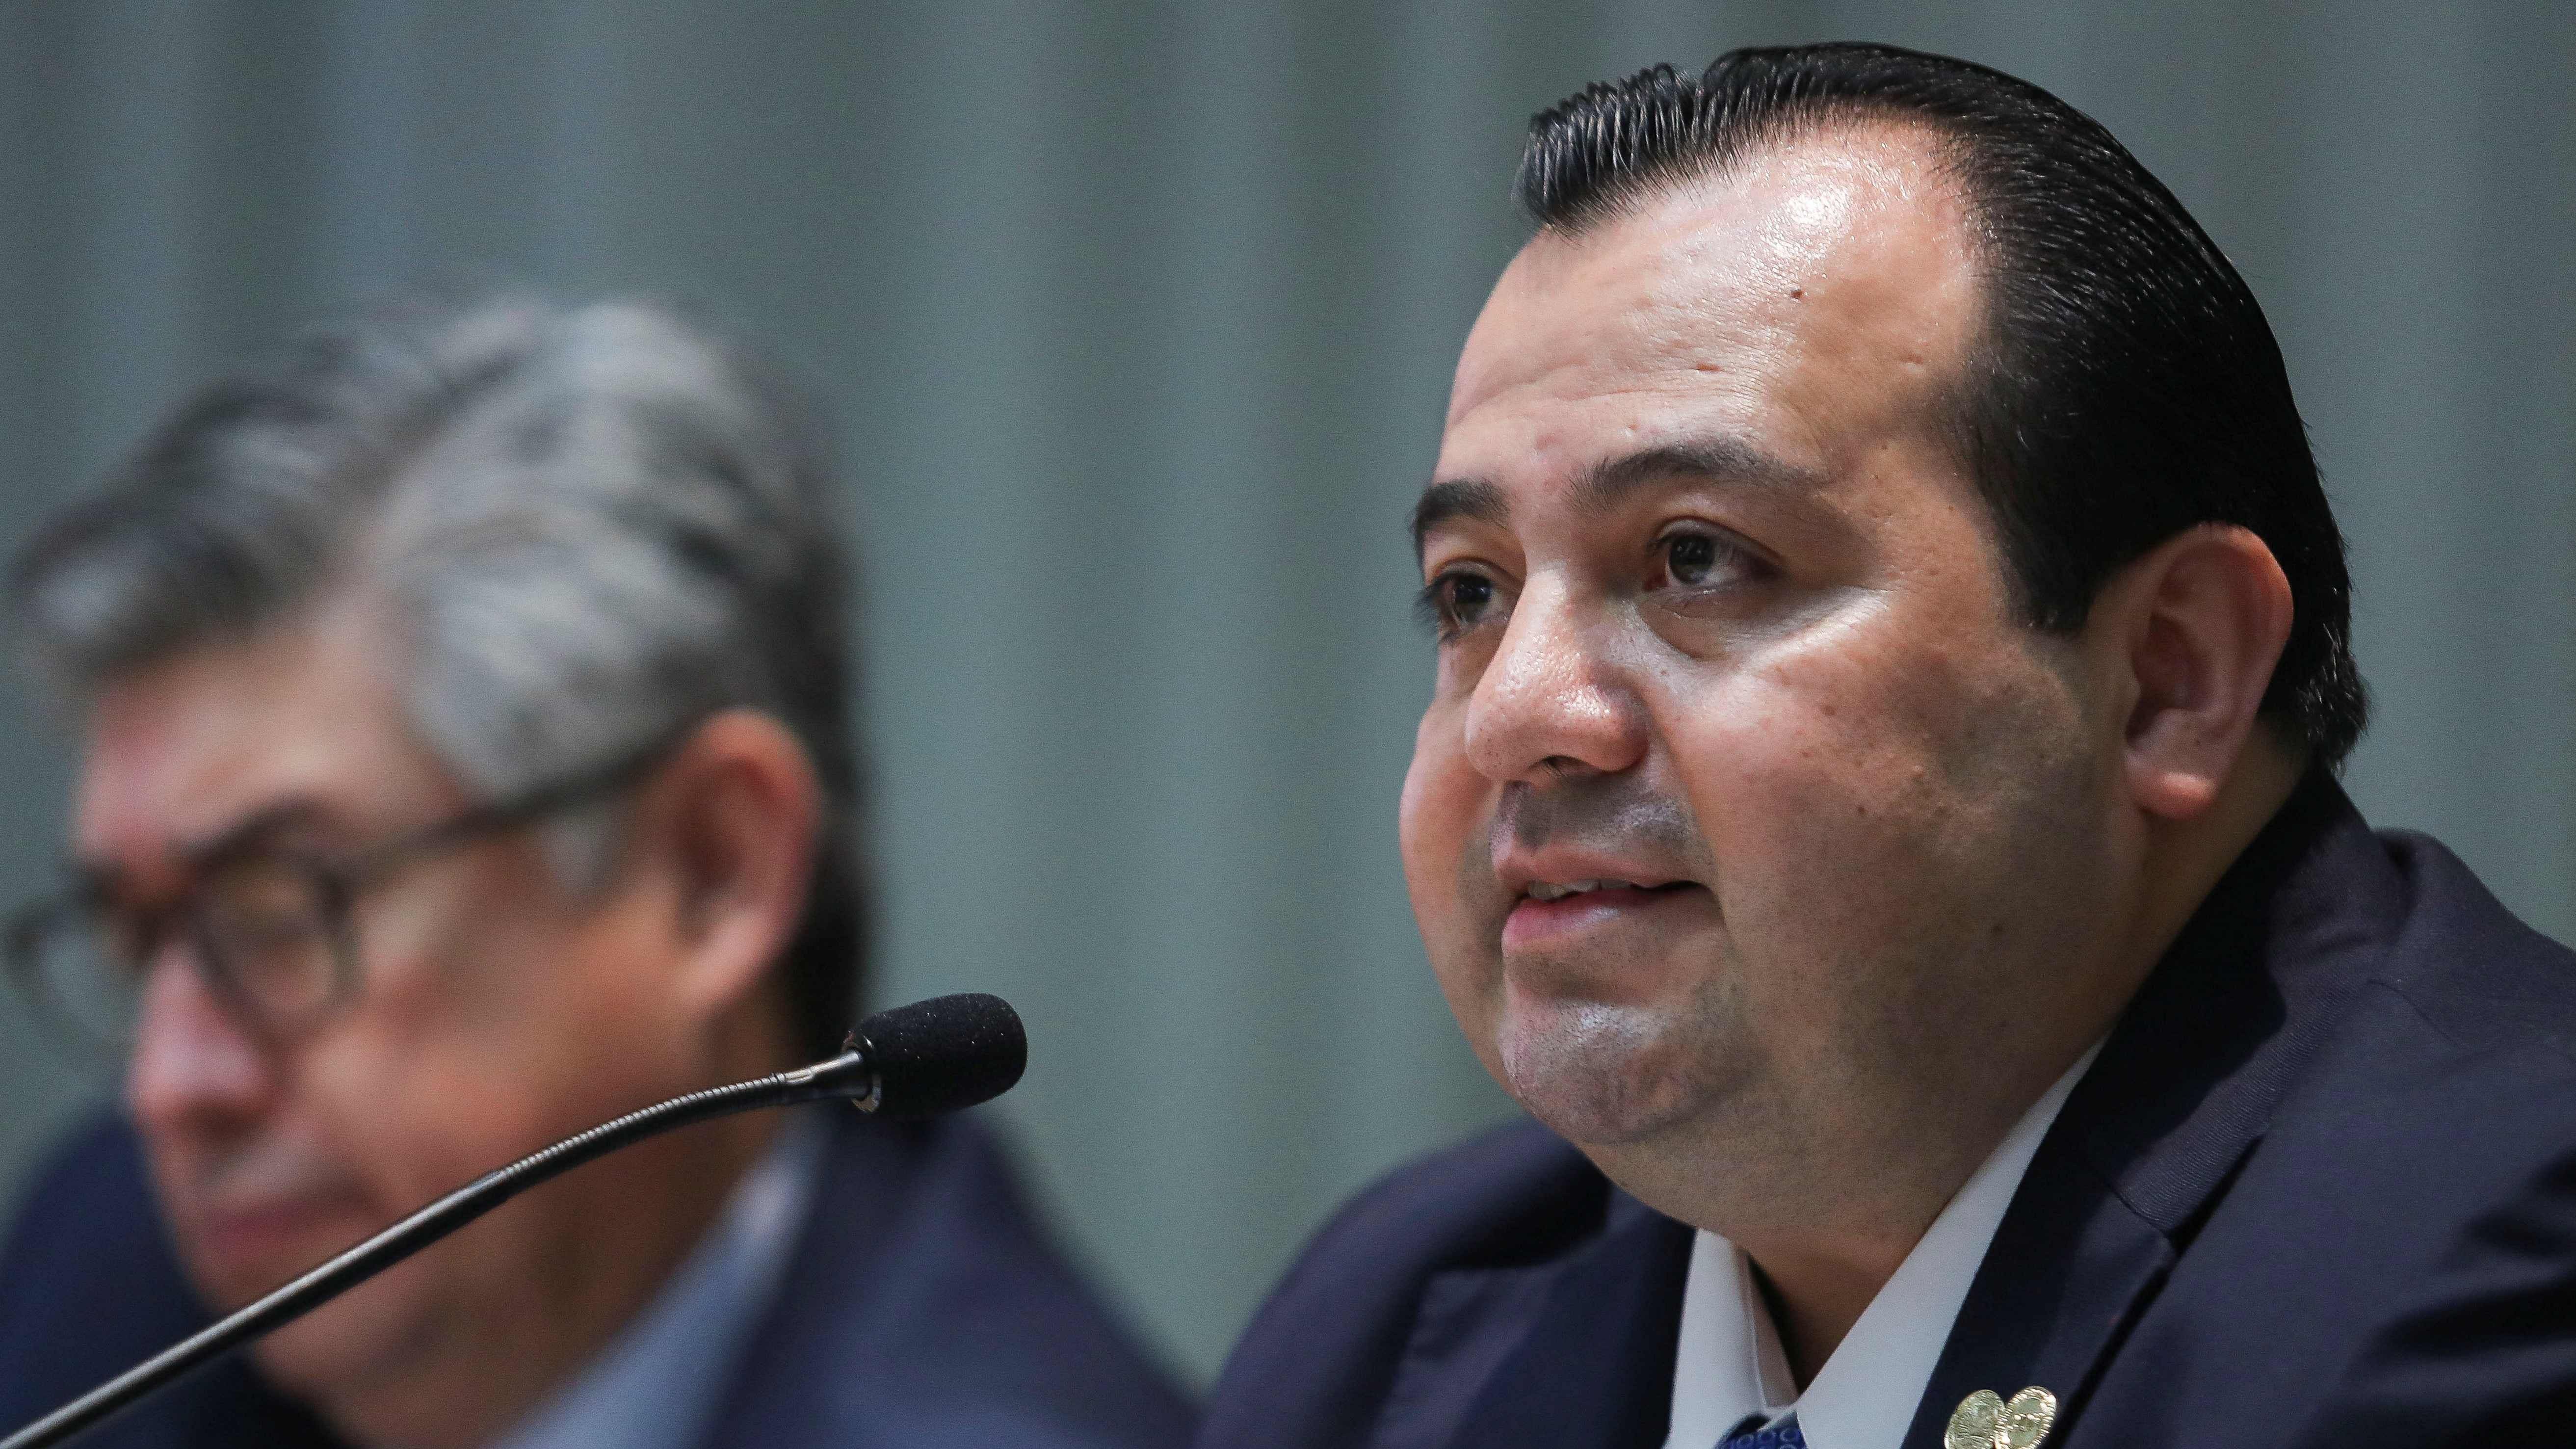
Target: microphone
[(923, 1060), (938, 1056)]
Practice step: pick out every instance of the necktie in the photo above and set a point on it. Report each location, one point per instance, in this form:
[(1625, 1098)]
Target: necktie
[(1750, 1435)]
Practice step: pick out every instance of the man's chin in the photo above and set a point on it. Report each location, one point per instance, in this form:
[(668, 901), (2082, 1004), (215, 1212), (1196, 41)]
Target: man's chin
[(1602, 1075), (346, 1347)]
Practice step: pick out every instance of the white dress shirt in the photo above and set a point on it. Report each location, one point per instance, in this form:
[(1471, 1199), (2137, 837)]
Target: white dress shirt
[(658, 1382), (1730, 1365)]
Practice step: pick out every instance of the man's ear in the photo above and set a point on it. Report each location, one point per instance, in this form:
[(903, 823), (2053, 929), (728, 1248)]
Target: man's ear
[(731, 821), (2193, 630)]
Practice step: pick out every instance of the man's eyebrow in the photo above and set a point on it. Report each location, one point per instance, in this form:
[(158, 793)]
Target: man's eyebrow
[(103, 876), (257, 830), (1457, 498), (1716, 460)]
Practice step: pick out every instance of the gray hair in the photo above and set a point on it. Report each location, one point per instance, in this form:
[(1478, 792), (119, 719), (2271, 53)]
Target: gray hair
[(589, 527)]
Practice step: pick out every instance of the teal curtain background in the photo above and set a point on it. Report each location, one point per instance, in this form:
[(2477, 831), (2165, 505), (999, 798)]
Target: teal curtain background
[(1137, 321)]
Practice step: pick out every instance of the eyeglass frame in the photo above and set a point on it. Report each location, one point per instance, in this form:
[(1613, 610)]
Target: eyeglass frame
[(337, 880)]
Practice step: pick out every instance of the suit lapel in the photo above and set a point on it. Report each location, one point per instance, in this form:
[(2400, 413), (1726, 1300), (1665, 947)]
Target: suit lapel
[(1576, 1354), (2180, 1095), (790, 1386), (2069, 1269)]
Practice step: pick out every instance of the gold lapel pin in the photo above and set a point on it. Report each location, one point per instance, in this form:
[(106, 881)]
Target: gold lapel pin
[(1984, 1421)]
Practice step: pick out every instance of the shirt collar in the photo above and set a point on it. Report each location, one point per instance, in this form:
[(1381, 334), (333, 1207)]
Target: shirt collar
[(1729, 1364), (657, 1382)]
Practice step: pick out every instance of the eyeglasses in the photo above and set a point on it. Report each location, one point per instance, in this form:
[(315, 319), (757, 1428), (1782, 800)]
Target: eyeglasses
[(269, 929)]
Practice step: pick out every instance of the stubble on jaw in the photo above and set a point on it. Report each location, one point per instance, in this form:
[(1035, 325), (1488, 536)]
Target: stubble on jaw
[(1594, 1068), (1604, 1074)]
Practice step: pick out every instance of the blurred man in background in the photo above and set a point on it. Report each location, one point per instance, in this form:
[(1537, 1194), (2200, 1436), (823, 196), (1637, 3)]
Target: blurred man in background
[(467, 761)]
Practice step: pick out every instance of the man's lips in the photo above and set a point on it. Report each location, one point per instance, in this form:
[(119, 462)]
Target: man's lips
[(1536, 924), (272, 1237)]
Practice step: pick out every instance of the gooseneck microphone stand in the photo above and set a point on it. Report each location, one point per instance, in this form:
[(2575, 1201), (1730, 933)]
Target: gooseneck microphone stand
[(915, 1061)]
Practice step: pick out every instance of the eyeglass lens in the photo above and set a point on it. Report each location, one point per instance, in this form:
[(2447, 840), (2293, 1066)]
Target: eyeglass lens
[(75, 972), (263, 932)]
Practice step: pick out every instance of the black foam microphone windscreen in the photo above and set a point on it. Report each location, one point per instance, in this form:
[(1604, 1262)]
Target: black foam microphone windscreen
[(943, 1054)]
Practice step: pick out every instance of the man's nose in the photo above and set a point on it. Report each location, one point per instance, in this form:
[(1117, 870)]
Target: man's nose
[(195, 1067), (1552, 701)]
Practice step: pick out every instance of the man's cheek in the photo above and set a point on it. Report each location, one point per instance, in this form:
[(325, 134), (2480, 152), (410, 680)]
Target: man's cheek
[(1419, 811), (1808, 834), (1471, 982), (1440, 834)]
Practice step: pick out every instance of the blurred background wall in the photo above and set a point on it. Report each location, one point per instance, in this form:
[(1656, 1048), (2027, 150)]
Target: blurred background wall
[(1137, 321)]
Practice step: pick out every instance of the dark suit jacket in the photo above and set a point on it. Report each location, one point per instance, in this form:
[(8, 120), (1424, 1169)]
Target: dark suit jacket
[(922, 1310), (2319, 1189)]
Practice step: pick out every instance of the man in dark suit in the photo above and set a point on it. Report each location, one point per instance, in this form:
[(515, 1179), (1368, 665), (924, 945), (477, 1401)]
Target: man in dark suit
[(1876, 811), (465, 762)]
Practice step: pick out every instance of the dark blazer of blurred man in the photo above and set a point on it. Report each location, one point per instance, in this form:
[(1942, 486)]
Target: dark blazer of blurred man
[(1876, 810), (465, 762)]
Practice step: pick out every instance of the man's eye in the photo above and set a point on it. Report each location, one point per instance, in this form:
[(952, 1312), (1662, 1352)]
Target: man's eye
[(1696, 560), (1690, 556), (1455, 602), (127, 940)]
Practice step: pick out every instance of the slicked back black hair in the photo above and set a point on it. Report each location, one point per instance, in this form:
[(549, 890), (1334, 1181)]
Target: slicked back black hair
[(2126, 387)]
